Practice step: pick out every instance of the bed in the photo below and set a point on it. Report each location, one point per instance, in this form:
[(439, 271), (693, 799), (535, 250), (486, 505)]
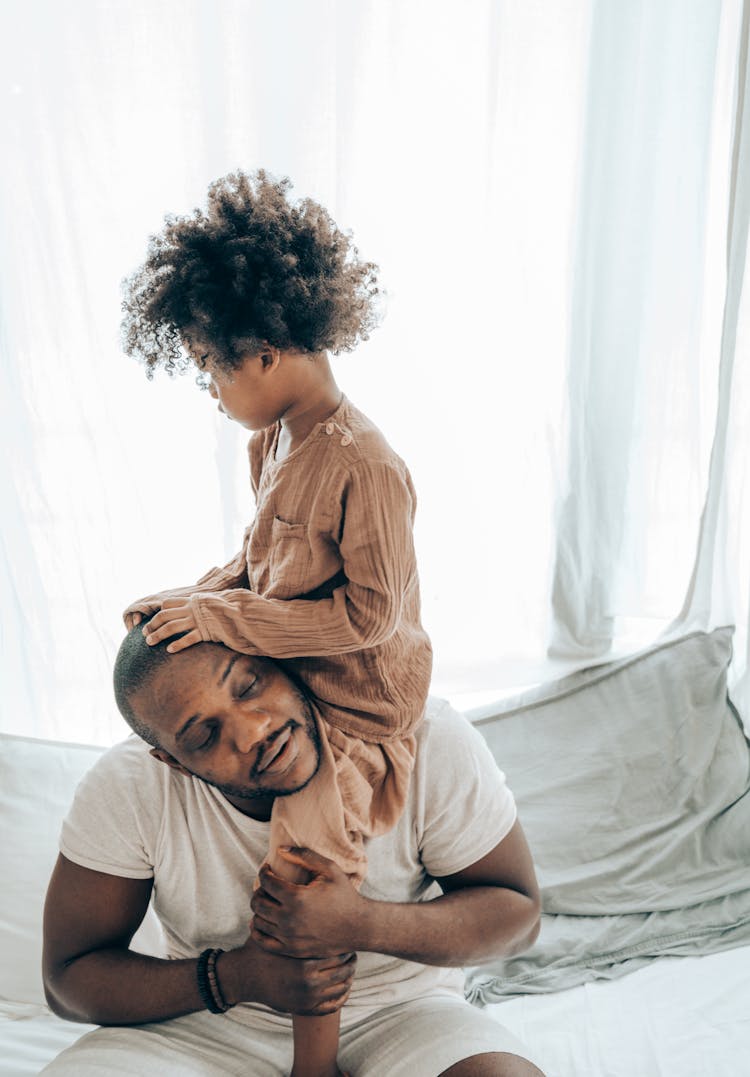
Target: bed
[(633, 784)]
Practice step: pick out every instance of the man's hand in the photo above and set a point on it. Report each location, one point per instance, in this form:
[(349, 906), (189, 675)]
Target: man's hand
[(323, 916), (174, 617), (315, 986)]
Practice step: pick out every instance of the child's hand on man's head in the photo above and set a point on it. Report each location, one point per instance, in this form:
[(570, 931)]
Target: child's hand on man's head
[(135, 613), (174, 618)]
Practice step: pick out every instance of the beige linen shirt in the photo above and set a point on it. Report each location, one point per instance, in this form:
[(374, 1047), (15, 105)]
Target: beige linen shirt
[(330, 576), (327, 577)]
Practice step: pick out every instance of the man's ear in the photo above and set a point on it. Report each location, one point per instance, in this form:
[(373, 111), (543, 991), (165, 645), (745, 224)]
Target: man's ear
[(165, 757)]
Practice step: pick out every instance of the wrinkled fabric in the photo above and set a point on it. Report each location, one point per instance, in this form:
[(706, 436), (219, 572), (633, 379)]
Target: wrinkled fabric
[(327, 581)]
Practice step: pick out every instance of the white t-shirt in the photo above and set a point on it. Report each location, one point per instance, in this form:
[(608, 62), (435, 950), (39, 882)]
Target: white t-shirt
[(137, 818)]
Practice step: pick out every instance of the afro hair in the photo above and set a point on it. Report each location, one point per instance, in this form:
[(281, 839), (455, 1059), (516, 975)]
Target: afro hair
[(255, 269)]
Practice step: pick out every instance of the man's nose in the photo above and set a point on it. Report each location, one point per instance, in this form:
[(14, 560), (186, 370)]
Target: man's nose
[(250, 730)]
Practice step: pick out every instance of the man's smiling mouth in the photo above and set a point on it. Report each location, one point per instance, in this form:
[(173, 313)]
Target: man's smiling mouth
[(277, 749)]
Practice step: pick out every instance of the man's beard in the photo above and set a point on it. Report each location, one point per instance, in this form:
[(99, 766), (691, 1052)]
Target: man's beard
[(309, 729)]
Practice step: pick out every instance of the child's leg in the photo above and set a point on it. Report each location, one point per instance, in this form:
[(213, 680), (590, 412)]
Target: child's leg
[(359, 790), (316, 1039)]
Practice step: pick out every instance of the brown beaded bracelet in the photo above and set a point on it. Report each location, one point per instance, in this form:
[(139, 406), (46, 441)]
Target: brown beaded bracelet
[(208, 982)]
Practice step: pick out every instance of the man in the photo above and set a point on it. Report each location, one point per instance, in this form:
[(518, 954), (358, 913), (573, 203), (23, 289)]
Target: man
[(187, 824)]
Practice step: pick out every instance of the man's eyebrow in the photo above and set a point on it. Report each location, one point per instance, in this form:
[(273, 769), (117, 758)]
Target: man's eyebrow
[(197, 717), (187, 725), (229, 665)]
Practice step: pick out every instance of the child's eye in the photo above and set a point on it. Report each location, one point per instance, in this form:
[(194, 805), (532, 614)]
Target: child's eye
[(248, 690)]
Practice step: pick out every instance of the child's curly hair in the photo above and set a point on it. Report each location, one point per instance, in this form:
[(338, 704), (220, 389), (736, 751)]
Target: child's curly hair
[(254, 269)]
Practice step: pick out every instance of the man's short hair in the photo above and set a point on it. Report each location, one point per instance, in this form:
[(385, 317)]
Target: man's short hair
[(135, 665)]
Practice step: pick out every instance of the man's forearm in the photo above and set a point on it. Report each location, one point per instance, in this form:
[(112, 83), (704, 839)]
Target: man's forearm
[(465, 927), (121, 987)]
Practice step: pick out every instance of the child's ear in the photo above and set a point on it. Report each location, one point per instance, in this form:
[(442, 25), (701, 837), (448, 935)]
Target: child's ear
[(269, 358), (165, 757)]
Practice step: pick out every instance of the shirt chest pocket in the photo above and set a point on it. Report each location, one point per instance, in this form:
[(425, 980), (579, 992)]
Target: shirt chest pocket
[(289, 559)]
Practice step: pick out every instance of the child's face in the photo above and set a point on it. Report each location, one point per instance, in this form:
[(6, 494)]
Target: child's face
[(252, 395)]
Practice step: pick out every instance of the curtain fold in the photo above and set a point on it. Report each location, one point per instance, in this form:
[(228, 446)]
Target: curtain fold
[(719, 587), (644, 259), (563, 359)]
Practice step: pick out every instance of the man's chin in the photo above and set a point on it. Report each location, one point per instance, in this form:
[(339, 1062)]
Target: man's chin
[(246, 793)]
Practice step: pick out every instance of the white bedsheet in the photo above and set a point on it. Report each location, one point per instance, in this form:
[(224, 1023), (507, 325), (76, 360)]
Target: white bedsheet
[(680, 1017), (30, 1037)]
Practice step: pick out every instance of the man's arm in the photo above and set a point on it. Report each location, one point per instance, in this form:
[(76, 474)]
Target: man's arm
[(91, 975), (490, 909)]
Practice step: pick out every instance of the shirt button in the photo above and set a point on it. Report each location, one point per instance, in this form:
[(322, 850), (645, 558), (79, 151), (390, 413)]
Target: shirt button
[(346, 440), (329, 428)]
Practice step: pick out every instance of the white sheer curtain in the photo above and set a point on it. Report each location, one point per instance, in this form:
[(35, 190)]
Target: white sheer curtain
[(555, 194)]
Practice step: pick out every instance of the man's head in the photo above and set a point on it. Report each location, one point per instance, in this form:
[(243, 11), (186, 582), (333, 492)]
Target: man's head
[(235, 721)]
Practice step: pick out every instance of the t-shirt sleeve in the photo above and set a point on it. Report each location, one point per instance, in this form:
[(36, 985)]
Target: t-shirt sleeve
[(465, 807), (113, 823)]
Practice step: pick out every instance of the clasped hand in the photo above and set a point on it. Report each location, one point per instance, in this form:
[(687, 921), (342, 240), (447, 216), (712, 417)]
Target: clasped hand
[(324, 916)]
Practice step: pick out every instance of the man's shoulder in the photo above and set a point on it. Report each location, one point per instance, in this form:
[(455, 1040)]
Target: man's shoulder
[(460, 806), (123, 764), (445, 734), (117, 812), (132, 751), (440, 717)]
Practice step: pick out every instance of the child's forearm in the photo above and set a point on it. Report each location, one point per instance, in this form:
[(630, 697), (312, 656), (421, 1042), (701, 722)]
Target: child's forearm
[(350, 620)]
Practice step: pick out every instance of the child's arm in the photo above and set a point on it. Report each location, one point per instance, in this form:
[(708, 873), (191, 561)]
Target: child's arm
[(377, 550), (233, 574)]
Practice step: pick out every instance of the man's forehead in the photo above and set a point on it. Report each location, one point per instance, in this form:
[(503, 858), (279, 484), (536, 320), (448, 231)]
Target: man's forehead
[(189, 675)]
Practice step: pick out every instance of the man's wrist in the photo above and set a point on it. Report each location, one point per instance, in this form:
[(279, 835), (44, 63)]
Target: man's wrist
[(232, 975)]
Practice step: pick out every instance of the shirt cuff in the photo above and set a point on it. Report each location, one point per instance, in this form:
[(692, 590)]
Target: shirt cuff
[(199, 613)]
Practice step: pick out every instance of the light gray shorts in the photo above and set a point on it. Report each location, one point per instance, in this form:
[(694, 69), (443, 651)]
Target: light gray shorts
[(413, 1039)]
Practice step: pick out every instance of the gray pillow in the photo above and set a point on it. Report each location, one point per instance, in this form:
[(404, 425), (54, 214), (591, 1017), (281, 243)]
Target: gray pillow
[(632, 783)]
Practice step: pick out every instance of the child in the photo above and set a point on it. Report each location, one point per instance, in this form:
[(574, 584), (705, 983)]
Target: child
[(257, 290)]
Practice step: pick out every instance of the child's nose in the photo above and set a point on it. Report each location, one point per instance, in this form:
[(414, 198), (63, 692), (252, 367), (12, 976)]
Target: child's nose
[(251, 730)]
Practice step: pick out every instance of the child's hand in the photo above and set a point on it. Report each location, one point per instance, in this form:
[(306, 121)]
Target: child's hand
[(135, 613), (174, 617)]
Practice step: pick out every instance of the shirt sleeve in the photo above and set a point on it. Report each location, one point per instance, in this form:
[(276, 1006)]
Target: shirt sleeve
[(464, 806), (377, 550), (113, 823)]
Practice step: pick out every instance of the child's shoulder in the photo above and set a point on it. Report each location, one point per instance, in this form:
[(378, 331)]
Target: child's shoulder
[(363, 441)]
